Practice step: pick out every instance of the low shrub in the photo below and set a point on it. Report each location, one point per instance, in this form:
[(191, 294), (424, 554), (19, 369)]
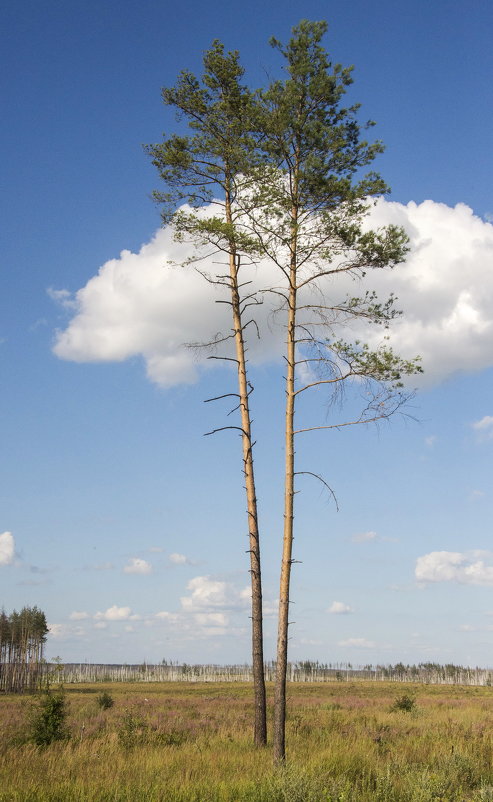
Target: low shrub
[(105, 700), (47, 719), (405, 703), (133, 730)]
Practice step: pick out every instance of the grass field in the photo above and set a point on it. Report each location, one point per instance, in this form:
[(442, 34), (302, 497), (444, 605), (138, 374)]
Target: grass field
[(347, 742)]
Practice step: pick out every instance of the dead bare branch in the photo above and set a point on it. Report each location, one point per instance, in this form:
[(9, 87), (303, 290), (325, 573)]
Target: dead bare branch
[(225, 358), (322, 480), (224, 428), (218, 397)]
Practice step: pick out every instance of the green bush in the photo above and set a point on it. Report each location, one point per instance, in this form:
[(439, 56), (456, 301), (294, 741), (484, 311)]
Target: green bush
[(105, 700), (405, 703), (47, 721), (133, 730)]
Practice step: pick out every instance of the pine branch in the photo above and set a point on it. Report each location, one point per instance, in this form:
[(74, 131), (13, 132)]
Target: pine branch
[(322, 480)]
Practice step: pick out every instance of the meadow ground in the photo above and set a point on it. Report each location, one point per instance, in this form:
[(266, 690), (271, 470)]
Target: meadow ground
[(182, 742)]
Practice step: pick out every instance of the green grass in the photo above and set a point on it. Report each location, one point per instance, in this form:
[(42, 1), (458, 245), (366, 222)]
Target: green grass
[(347, 742)]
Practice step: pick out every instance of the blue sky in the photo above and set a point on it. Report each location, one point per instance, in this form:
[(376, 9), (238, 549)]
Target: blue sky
[(117, 517)]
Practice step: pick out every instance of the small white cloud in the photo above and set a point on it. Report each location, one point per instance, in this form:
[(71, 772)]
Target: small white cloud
[(65, 631), (361, 643), (243, 598), (136, 565), (197, 624), (56, 630), (364, 537), (178, 559), (438, 566), (475, 495), (468, 568), (484, 427), (209, 594), (156, 549), (78, 616), (62, 297), (431, 440), (114, 613), (484, 423), (206, 592), (172, 618), (211, 619), (339, 608), (100, 625), (7, 548)]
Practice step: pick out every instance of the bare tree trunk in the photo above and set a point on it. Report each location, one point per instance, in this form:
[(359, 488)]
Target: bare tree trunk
[(287, 550), (260, 719)]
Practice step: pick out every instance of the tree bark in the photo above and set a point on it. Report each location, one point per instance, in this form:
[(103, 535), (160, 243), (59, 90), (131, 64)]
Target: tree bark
[(287, 550), (260, 719)]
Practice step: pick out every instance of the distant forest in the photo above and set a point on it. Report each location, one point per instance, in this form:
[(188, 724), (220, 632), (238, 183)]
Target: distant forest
[(303, 671), (22, 639), (24, 668)]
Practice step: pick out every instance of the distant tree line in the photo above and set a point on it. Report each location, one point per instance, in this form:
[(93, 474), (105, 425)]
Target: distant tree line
[(302, 671), (22, 639)]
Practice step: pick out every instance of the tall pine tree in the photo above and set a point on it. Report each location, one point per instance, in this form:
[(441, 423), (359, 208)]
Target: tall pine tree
[(205, 169), (308, 212)]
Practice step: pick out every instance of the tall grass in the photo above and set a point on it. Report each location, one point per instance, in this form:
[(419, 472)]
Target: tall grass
[(182, 743)]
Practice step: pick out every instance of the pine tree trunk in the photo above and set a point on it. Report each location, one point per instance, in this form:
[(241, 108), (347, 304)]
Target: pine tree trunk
[(260, 720), (287, 550)]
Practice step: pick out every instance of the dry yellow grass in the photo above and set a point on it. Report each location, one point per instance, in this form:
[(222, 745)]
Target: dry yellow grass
[(181, 742)]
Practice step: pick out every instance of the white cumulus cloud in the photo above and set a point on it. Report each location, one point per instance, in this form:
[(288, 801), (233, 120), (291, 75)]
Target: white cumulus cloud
[(139, 304), (212, 619), (136, 565), (114, 613), (484, 427), (57, 630), (209, 594), (7, 548), (65, 631), (78, 615), (468, 568), (339, 608), (178, 559)]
